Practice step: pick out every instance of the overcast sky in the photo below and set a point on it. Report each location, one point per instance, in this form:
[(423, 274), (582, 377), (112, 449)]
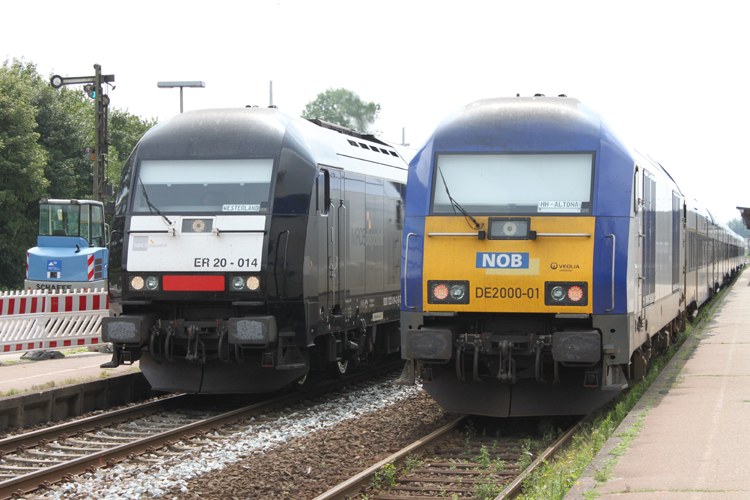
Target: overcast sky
[(670, 77)]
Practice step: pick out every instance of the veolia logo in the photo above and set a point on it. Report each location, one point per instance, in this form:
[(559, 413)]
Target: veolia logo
[(564, 267), (502, 260)]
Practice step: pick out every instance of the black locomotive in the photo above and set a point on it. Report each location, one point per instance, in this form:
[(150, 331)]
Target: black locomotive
[(249, 247)]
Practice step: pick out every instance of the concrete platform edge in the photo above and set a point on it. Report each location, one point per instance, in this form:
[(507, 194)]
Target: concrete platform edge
[(653, 394), (41, 407)]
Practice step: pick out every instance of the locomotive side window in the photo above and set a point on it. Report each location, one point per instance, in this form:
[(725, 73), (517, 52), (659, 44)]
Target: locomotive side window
[(514, 183), (208, 186)]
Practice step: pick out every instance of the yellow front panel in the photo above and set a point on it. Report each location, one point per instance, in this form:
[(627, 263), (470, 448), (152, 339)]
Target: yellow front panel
[(550, 258)]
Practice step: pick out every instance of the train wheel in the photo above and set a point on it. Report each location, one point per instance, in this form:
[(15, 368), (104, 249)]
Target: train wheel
[(340, 368)]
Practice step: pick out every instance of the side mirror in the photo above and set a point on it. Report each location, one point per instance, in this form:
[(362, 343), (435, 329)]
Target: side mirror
[(109, 208)]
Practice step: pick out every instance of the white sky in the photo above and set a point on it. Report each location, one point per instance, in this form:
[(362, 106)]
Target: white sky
[(671, 77)]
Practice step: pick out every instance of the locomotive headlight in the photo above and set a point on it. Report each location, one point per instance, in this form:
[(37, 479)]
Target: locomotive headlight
[(558, 293), (253, 283), (447, 292), (136, 283), (238, 283), (440, 292), (566, 293), (458, 292), (575, 293), (152, 283)]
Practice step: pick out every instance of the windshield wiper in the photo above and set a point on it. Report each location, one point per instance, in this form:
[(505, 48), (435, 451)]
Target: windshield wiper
[(456, 205), (151, 205)]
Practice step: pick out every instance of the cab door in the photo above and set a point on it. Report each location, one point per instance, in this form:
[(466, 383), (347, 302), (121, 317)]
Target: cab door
[(334, 236), (649, 239)]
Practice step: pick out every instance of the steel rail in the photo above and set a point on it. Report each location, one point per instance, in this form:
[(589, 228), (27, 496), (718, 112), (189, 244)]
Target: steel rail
[(514, 488), (24, 484), (12, 443), (352, 486)]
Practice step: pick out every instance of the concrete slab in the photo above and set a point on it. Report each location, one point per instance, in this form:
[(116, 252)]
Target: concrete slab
[(21, 375), (692, 441)]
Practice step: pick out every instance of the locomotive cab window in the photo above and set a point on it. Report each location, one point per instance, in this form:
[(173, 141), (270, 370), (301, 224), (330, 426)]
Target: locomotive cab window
[(203, 186), (514, 183)]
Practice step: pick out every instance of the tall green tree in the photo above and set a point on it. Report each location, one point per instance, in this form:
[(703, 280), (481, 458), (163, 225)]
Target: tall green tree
[(343, 107), (22, 180)]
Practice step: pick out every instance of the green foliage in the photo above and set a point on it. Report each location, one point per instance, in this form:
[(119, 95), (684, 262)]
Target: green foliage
[(42, 135), (412, 462), (486, 487), (738, 227), (22, 162), (386, 476), (343, 107)]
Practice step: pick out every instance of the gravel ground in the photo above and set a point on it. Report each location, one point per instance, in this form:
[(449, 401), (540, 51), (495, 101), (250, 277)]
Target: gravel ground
[(296, 456)]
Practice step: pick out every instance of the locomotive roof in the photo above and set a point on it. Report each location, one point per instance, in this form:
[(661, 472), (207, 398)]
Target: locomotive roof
[(256, 132), (527, 121)]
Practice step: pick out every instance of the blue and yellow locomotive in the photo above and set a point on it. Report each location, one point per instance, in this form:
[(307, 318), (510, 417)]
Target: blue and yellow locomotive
[(543, 259)]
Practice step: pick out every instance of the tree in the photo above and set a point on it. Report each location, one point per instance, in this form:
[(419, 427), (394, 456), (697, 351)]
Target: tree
[(738, 227), (343, 107), (22, 180)]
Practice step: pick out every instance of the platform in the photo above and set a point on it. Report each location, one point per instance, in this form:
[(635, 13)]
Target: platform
[(692, 427), (19, 375)]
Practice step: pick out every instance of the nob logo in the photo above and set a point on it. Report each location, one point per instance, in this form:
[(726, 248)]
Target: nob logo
[(502, 260)]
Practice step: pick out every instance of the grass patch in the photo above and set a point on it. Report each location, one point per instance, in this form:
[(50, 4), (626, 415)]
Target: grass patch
[(552, 480)]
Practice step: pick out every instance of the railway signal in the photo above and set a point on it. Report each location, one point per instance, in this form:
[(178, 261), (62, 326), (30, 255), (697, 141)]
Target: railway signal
[(93, 88)]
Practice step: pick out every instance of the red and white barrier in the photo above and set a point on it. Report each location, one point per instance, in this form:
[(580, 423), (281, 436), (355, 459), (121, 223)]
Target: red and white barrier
[(38, 320)]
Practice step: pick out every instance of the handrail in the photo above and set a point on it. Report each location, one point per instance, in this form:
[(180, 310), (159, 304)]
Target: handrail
[(570, 235), (406, 269), (614, 248)]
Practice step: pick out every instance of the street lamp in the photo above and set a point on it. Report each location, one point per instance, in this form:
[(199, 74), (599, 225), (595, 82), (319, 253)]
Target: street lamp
[(171, 85)]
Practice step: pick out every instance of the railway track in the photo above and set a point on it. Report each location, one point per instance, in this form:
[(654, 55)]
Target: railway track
[(161, 428), (448, 464)]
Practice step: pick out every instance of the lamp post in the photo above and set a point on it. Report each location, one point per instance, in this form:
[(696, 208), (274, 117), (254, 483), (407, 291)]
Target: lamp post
[(171, 85)]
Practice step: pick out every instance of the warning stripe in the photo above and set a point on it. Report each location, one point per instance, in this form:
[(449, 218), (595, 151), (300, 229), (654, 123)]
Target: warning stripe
[(35, 304), (91, 267), (11, 306)]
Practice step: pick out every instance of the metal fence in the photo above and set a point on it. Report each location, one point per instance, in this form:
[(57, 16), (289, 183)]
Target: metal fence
[(40, 320)]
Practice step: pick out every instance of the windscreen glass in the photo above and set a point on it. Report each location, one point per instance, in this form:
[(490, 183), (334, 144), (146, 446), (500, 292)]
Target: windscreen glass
[(515, 183), (61, 220), (240, 186)]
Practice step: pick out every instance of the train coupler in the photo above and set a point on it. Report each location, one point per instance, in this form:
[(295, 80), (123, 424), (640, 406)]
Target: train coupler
[(507, 371)]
